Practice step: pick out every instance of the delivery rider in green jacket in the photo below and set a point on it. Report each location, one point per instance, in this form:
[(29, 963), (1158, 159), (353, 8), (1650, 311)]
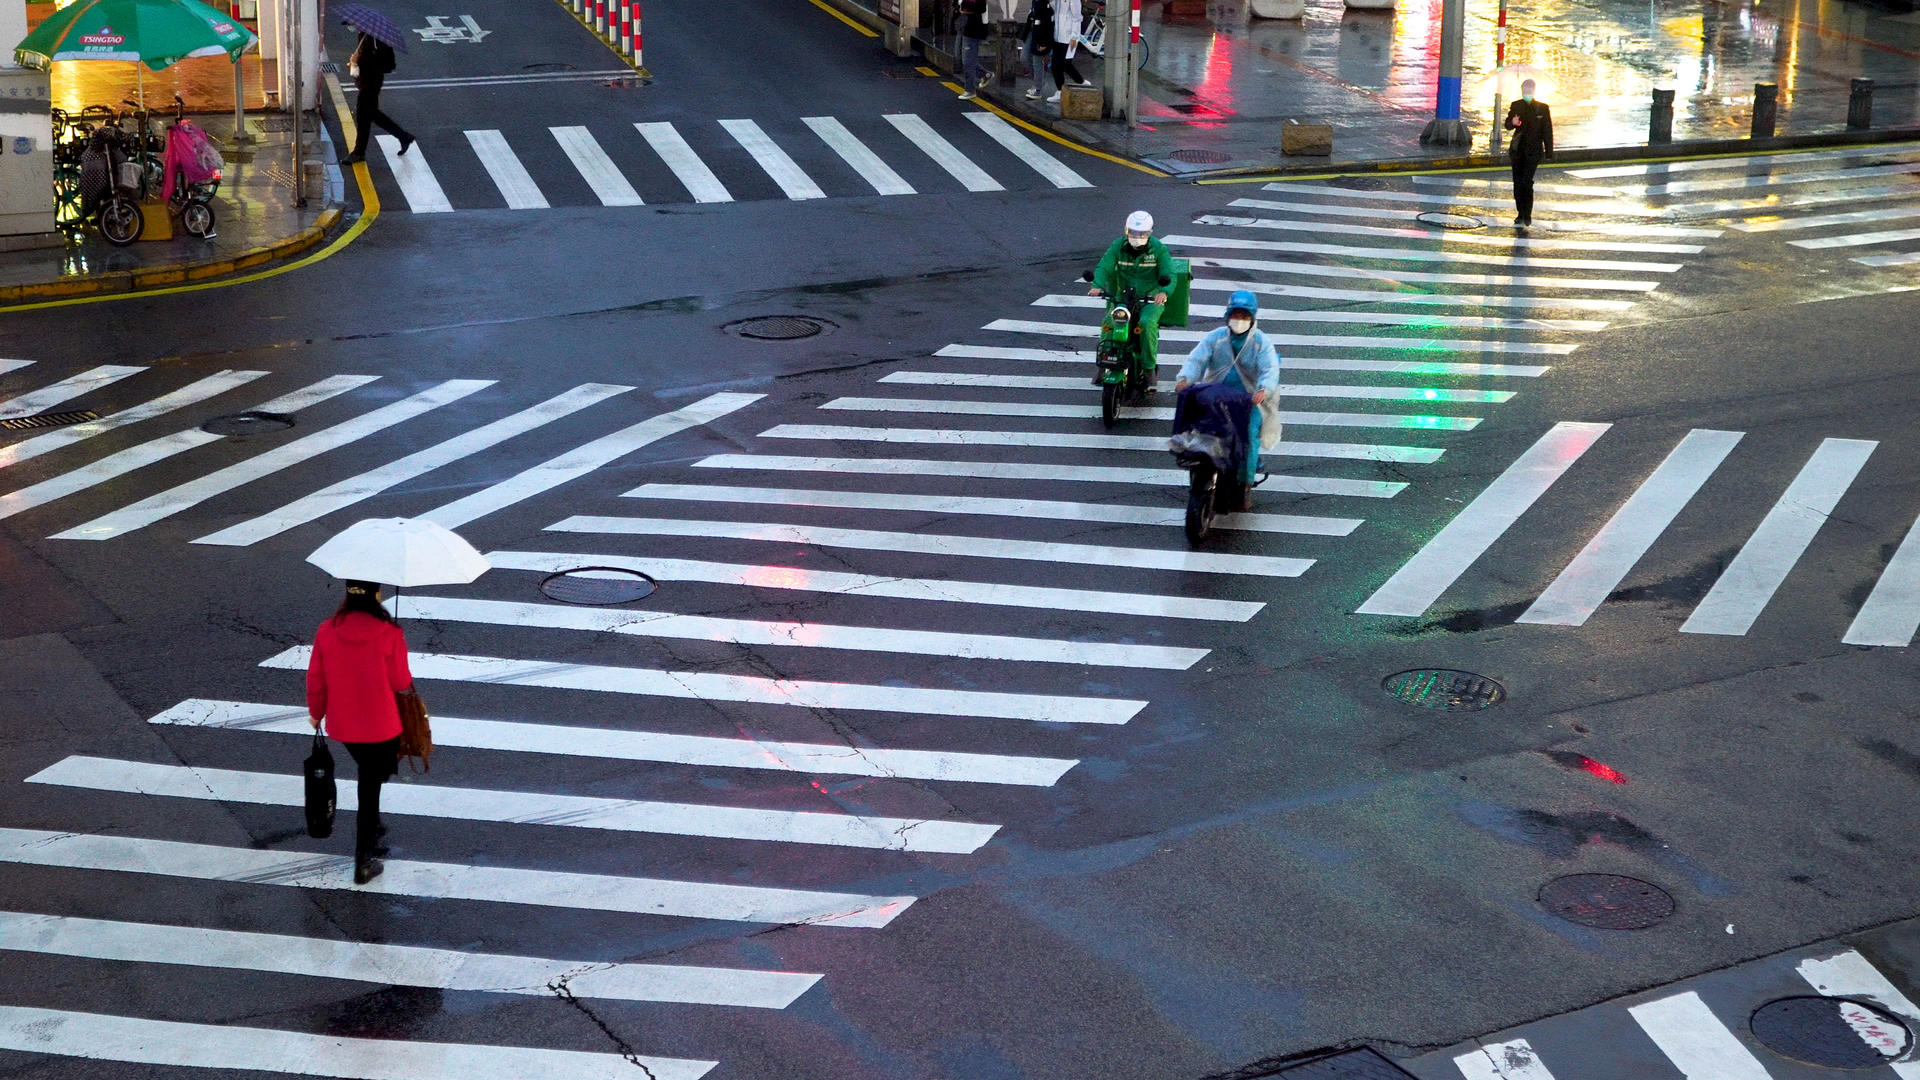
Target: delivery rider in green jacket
[(1142, 263)]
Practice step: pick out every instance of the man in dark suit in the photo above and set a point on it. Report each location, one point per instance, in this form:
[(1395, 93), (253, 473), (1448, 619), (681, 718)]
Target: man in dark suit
[(371, 62), (1531, 141)]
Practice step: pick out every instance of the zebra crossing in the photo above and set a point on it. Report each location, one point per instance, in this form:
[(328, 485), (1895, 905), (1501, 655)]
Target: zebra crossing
[(952, 523), (1741, 591), (1815, 201), (660, 162), (1704, 1030)]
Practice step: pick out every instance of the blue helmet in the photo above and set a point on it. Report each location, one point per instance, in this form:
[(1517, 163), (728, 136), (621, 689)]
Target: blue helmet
[(1242, 300)]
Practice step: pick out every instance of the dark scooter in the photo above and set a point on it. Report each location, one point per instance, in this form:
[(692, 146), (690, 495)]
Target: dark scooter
[(1212, 454)]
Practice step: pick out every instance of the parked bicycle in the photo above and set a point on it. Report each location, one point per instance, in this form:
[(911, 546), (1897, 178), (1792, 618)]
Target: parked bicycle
[(1093, 33)]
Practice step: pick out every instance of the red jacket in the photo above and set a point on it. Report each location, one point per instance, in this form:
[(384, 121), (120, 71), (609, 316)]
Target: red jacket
[(359, 663)]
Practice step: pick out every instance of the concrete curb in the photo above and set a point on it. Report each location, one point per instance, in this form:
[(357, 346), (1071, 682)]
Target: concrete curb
[(178, 273)]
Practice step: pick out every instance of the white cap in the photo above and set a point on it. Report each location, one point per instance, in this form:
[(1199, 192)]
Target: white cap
[(1139, 222)]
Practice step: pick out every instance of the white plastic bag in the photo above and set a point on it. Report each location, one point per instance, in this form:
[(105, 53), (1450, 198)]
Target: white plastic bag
[(1269, 424)]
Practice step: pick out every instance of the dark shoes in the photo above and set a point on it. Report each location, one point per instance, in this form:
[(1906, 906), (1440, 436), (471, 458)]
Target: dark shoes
[(365, 870), (353, 159), (406, 143)]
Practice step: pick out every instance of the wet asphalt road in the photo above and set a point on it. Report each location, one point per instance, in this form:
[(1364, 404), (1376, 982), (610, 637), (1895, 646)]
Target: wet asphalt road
[(1270, 856)]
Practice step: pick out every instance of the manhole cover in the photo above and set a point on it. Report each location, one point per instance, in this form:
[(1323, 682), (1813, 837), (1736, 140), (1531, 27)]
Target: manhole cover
[(251, 422), (1442, 220), (1202, 157), (547, 67), (49, 419), (778, 327), (1836, 1033), (1606, 901), (598, 585), (1441, 688)]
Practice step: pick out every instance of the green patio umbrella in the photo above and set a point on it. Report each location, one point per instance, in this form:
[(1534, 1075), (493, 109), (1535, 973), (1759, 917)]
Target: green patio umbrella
[(157, 33)]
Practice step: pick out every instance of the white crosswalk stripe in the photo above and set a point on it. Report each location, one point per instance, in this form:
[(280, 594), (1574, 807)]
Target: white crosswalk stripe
[(803, 694), (1695, 1040), (401, 965), (61, 438), (700, 181), (509, 175), (940, 544), (1746, 585), (967, 504), (492, 884), (65, 390), (415, 177), (621, 745), (1418, 255), (1412, 455), (154, 508), (1304, 363), (1269, 316), (781, 167), (943, 153), (596, 168), (1415, 586), (1028, 151), (529, 808), (252, 1049), (1312, 390), (804, 635), (1455, 236), (1614, 550), (858, 156), (1512, 1060), (1418, 277), (358, 488), (1405, 421), (125, 461), (1016, 470)]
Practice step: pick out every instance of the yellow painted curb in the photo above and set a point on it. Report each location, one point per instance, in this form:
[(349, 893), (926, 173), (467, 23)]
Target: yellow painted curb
[(1055, 137), (843, 17)]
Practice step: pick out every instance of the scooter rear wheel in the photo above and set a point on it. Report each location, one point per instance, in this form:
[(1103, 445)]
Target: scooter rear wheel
[(1109, 403), (1200, 492), (197, 218), (120, 221)]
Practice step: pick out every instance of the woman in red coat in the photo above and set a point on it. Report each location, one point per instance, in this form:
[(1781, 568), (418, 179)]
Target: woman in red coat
[(359, 663)]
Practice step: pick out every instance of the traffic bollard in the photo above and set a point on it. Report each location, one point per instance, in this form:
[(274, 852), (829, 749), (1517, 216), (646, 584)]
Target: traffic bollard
[(1860, 105), (1766, 109), (600, 17), (1660, 120), (626, 28)]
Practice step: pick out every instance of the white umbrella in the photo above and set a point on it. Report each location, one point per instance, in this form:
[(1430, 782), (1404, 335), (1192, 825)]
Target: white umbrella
[(403, 552)]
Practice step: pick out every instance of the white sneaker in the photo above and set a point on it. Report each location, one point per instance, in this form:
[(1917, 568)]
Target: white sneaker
[(1033, 95), (968, 96), (986, 80), (1054, 99)]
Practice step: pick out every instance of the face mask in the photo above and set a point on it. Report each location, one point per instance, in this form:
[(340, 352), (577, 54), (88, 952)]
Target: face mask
[(1239, 326), (1526, 97), (1136, 242)]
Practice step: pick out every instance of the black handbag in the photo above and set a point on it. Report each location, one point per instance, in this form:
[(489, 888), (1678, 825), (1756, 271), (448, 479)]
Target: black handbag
[(321, 795)]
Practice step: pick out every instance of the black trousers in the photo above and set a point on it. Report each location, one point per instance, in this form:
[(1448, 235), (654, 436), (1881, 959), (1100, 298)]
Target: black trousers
[(376, 761), (1524, 166), (1063, 66), (367, 115)]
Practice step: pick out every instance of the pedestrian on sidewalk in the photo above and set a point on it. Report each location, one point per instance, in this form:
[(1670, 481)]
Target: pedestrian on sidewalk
[(370, 64), (1066, 42), (1532, 141), (358, 666), (1039, 45), (973, 31)]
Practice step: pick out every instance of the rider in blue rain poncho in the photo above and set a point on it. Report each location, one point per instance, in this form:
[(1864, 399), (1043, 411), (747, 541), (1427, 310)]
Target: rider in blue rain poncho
[(1240, 356)]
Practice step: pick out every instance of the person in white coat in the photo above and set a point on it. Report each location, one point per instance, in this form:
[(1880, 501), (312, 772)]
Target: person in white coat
[(1066, 41)]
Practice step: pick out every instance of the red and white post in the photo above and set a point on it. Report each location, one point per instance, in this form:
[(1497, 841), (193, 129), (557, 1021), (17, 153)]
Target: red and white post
[(1499, 133), (639, 64), (623, 33)]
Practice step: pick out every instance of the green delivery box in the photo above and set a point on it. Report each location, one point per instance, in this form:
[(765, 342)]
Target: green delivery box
[(1175, 313)]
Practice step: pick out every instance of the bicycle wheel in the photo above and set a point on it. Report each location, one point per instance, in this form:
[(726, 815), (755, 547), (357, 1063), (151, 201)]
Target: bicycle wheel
[(120, 221), (1109, 404)]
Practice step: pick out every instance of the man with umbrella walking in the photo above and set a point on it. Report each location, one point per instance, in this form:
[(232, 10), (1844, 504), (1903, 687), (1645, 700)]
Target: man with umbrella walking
[(372, 60)]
